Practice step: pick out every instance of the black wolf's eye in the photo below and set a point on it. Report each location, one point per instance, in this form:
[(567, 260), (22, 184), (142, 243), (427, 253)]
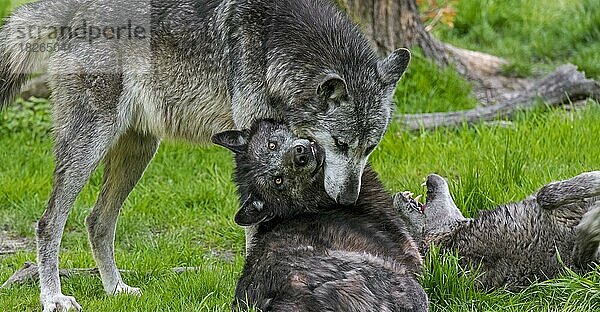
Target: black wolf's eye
[(278, 181), (272, 146)]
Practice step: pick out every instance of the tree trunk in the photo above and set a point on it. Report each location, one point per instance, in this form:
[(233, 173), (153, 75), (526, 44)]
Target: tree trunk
[(390, 24)]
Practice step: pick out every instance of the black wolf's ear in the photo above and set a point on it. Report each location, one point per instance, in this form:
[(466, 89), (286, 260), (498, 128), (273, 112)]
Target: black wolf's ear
[(234, 140), (332, 86), (392, 68), (253, 211)]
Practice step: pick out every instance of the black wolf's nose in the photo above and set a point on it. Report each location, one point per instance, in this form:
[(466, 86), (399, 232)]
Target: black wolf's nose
[(301, 155)]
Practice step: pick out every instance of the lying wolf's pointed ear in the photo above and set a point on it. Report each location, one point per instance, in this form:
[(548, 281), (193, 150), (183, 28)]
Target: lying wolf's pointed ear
[(234, 140), (253, 211), (332, 86), (392, 68)]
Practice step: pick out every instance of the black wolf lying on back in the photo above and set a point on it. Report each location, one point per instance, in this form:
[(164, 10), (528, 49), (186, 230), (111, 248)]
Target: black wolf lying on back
[(195, 68), (515, 243), (309, 253)]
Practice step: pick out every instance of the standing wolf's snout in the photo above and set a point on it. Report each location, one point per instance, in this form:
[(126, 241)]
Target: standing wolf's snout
[(349, 195)]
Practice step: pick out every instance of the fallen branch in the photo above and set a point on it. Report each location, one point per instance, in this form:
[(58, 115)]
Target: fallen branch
[(562, 86), (36, 87), (29, 273)]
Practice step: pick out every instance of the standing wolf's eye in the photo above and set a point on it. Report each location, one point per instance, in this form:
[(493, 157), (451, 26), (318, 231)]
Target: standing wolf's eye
[(340, 144), (272, 146), (278, 181), (370, 149)]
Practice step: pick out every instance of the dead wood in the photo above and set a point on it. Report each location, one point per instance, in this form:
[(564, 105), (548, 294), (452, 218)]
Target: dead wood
[(29, 273), (561, 87)]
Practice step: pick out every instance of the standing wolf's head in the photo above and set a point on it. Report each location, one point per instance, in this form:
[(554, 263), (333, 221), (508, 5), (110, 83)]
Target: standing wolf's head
[(346, 109), (277, 173), (332, 86)]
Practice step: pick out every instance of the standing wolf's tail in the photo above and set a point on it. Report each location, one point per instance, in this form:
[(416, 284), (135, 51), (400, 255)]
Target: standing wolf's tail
[(23, 39)]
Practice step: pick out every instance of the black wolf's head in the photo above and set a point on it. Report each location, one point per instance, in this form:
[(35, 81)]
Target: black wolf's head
[(276, 172)]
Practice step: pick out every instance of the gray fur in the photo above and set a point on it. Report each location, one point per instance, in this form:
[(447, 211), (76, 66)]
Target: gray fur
[(520, 242), (309, 253), (204, 66)]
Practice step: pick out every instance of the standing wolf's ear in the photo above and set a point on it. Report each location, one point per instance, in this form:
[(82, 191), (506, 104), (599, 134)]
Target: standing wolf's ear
[(253, 211), (234, 140), (332, 86), (391, 69)]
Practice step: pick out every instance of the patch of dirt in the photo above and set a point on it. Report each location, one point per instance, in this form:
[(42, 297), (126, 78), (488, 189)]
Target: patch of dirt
[(11, 243)]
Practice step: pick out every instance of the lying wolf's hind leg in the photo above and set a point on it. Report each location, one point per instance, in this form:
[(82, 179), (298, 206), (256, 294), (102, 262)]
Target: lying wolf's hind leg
[(564, 192), (124, 165), (588, 238)]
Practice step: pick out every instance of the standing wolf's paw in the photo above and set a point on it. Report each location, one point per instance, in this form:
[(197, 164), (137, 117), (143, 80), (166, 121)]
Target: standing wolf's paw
[(60, 303), (122, 288)]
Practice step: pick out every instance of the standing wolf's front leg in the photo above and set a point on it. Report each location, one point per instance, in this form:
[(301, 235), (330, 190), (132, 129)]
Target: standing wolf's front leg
[(80, 144), (124, 165), (249, 103)]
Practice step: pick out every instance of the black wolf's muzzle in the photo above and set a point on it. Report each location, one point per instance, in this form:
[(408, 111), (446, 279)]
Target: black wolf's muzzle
[(302, 154)]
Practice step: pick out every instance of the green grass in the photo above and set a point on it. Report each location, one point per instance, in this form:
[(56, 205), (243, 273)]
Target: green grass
[(426, 88), (534, 35), (7, 5), (181, 212)]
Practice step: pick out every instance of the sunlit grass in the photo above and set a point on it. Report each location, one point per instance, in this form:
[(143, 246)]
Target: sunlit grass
[(181, 212), (535, 35)]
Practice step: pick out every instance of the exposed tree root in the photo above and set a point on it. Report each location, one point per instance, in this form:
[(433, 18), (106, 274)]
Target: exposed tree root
[(562, 86)]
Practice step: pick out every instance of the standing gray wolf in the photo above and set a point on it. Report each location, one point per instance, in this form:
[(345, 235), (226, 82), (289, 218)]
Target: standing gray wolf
[(191, 69), (309, 253), (516, 243)]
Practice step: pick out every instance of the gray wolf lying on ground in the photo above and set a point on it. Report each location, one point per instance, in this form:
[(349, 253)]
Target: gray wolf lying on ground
[(186, 70), (309, 253), (516, 243)]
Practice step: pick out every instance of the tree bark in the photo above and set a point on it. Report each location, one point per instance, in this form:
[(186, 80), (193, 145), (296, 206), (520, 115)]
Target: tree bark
[(390, 24)]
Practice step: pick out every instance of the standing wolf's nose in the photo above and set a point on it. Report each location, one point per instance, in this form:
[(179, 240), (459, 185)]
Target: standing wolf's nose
[(301, 155)]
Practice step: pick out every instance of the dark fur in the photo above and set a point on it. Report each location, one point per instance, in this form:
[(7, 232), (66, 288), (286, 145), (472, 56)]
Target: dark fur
[(310, 254), (517, 243)]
